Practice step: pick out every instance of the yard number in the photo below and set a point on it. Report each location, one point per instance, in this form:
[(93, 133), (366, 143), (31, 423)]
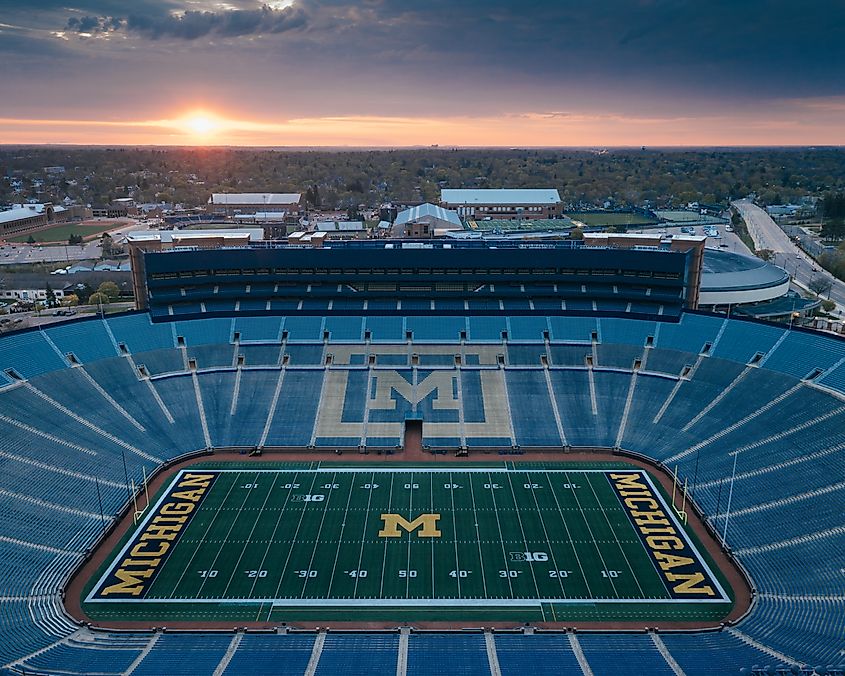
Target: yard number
[(460, 573), (256, 573)]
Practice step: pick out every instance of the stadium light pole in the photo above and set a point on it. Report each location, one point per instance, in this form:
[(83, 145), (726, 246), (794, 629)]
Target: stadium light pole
[(100, 503), (695, 473), (730, 498), (125, 473)]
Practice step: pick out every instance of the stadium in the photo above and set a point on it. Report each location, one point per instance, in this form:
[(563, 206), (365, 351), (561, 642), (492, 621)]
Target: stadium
[(459, 458)]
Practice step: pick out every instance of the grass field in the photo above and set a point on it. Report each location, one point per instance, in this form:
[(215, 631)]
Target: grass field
[(61, 233), (264, 544), (599, 219)]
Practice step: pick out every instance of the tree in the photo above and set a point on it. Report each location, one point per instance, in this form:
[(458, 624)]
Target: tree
[(576, 233), (109, 289), (765, 254), (819, 285), (98, 299), (30, 240), (74, 239), (50, 296), (107, 244), (71, 300)]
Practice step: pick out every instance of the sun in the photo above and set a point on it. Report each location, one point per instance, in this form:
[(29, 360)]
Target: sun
[(201, 124)]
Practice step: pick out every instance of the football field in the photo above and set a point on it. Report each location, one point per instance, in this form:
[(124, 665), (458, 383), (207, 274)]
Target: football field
[(327, 542)]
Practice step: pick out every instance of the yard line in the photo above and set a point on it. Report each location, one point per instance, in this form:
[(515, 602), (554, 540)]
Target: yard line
[(384, 558), (431, 511), (295, 535), (340, 538), (204, 535), (478, 537), (226, 538), (410, 517), (590, 530), (455, 534), (363, 537), (249, 537), (546, 535), (568, 534), (522, 530), (320, 530), (499, 526), (618, 544), (273, 535)]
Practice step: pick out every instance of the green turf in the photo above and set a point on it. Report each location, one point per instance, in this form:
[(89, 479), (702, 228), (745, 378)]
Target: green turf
[(61, 233), (610, 218), (287, 543)]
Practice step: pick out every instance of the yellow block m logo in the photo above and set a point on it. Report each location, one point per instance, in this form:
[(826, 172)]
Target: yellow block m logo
[(427, 523)]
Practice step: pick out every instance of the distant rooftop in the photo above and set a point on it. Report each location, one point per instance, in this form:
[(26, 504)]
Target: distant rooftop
[(427, 209), (168, 236), (339, 226), (250, 198), (500, 196), (26, 211)]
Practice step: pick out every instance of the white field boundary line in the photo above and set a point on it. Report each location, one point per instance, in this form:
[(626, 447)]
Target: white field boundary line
[(294, 602)]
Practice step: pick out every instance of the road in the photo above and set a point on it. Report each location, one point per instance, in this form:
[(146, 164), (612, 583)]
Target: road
[(767, 235)]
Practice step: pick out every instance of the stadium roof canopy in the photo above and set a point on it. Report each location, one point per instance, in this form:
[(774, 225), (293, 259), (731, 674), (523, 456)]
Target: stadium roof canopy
[(430, 210), (250, 198), (500, 196), (729, 278)]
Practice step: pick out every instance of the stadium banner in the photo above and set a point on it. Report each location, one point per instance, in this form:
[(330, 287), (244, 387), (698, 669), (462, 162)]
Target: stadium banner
[(678, 563), (133, 571)]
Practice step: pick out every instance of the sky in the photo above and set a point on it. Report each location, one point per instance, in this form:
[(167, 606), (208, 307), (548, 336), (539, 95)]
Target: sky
[(423, 72)]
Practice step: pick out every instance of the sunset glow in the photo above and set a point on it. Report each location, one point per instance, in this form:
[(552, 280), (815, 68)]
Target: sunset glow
[(202, 125), (787, 122)]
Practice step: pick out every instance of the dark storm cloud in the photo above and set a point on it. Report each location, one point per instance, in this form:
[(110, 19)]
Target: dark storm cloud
[(196, 24), (553, 49)]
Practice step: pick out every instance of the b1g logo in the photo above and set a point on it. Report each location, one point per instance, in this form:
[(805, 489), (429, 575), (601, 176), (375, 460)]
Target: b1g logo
[(529, 557)]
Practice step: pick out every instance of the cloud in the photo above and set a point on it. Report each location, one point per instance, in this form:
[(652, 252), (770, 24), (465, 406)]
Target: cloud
[(195, 24), (89, 25)]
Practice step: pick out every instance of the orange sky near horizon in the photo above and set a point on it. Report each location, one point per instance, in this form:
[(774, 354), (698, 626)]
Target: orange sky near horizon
[(799, 123)]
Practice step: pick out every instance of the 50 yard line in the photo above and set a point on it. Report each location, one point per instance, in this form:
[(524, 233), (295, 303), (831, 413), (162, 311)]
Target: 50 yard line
[(384, 558)]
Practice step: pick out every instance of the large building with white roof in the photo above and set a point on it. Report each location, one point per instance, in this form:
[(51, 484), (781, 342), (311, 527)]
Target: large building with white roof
[(426, 220), (231, 204), (503, 203), (22, 219)]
